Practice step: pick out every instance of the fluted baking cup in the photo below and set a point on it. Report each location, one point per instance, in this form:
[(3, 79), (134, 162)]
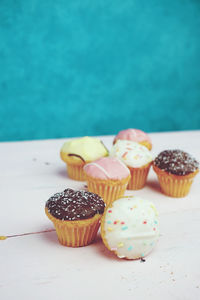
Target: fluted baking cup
[(174, 185), (76, 172), (109, 190), (138, 177), (77, 233)]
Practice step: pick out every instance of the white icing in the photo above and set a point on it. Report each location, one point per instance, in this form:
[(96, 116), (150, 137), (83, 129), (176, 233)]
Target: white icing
[(131, 227), (121, 163), (131, 153), (100, 167)]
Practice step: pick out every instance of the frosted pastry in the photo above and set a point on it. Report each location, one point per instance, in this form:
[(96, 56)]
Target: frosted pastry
[(76, 216), (134, 135), (137, 158), (130, 227), (176, 170), (107, 177), (78, 152)]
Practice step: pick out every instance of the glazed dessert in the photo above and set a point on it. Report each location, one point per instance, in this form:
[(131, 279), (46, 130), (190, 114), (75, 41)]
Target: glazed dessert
[(78, 152), (107, 177), (134, 135), (76, 216), (137, 158), (129, 227), (176, 170)]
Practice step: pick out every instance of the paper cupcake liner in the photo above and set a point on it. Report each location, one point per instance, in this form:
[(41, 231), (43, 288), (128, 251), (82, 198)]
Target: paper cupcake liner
[(174, 185), (138, 177), (109, 190), (76, 172), (76, 233)]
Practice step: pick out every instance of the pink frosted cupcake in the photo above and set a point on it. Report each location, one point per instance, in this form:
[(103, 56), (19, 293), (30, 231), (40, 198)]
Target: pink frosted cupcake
[(134, 135), (108, 177)]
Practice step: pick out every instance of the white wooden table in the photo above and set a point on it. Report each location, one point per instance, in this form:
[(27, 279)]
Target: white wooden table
[(36, 266)]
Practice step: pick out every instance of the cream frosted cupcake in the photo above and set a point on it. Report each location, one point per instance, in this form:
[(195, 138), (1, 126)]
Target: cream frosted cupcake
[(134, 135), (108, 177), (76, 216), (130, 227), (137, 158), (78, 152)]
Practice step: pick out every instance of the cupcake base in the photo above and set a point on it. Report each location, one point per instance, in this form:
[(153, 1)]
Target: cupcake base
[(138, 177), (174, 185), (109, 190), (76, 172), (76, 233)]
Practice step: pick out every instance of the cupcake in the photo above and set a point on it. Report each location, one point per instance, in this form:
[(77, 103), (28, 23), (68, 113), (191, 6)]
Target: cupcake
[(76, 216), (108, 177), (137, 158), (176, 170), (130, 227), (78, 152), (134, 135)]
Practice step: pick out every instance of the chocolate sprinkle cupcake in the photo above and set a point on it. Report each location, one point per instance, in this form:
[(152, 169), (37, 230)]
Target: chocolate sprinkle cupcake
[(176, 162), (75, 205)]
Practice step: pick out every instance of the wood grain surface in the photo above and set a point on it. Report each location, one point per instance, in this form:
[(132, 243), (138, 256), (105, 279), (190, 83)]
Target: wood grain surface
[(33, 265)]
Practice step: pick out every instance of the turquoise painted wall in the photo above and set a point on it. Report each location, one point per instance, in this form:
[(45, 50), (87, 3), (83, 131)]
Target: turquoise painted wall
[(83, 67)]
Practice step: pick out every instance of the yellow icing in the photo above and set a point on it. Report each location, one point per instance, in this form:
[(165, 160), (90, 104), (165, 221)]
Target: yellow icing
[(110, 229), (88, 148)]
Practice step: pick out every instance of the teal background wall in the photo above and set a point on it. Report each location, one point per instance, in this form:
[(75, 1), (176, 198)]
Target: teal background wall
[(82, 67)]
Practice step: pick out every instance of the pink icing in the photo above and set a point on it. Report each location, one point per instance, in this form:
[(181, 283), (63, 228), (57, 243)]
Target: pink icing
[(135, 135), (107, 168)]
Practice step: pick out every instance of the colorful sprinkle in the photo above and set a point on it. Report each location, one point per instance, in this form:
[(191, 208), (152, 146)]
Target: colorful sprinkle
[(124, 227), (135, 206), (130, 248), (109, 211), (115, 222), (154, 209), (109, 222), (120, 245), (155, 222), (110, 229), (145, 222), (154, 229), (122, 222), (124, 155)]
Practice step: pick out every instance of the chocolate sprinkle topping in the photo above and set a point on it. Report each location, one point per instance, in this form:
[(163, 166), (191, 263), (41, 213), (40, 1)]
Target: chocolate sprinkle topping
[(176, 162), (75, 205)]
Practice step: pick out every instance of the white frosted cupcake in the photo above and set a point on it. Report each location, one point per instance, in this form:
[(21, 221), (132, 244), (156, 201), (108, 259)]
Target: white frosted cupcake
[(130, 227), (137, 158)]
